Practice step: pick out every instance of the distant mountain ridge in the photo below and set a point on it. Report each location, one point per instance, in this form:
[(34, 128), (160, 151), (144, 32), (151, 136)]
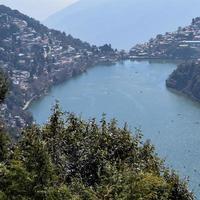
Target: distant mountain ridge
[(123, 23)]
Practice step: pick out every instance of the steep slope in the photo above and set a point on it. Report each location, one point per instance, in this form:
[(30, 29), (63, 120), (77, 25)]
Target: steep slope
[(186, 79), (123, 23), (35, 57)]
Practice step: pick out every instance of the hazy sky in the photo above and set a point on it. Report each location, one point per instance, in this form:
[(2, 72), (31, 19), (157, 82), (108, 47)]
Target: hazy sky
[(38, 9)]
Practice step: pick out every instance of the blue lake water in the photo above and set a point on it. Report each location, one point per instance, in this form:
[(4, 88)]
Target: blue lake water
[(135, 92)]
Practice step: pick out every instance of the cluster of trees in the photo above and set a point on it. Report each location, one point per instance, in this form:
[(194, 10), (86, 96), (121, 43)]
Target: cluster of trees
[(3, 86), (69, 158)]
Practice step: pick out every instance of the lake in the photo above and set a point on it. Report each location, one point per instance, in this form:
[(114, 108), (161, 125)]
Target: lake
[(135, 92)]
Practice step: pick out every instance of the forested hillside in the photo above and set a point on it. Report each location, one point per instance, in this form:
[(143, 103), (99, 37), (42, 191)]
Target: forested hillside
[(186, 79), (182, 44)]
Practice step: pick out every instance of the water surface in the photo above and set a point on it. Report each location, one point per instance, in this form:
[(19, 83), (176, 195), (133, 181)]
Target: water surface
[(135, 92)]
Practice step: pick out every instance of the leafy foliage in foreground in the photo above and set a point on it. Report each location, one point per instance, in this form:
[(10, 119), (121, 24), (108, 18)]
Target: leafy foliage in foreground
[(69, 158)]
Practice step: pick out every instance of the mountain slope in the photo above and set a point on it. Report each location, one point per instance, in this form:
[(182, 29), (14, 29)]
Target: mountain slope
[(35, 57), (182, 44), (123, 23)]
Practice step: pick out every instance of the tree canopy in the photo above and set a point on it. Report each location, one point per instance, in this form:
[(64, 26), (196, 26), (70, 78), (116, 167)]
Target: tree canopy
[(3, 86), (69, 158)]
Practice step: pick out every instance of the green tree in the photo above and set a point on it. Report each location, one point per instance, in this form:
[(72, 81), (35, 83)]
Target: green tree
[(69, 158), (4, 146), (34, 154), (15, 181), (4, 139), (3, 86)]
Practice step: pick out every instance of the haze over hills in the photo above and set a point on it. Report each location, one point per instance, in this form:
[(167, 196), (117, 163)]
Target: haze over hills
[(123, 23), (39, 11)]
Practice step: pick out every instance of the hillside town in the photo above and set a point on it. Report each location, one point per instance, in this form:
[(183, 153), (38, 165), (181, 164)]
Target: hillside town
[(35, 58), (181, 44)]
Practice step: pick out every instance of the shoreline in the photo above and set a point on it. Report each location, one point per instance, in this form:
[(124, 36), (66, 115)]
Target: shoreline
[(46, 90), (27, 104), (108, 63), (96, 63), (189, 96)]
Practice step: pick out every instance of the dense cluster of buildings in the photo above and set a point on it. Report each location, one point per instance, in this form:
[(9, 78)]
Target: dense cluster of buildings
[(183, 43)]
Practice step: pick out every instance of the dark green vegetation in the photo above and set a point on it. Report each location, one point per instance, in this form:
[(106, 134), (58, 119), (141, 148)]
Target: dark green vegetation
[(69, 158), (3, 86), (186, 79)]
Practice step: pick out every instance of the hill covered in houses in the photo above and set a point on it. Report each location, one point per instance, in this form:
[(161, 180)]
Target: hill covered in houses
[(34, 58), (183, 44)]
